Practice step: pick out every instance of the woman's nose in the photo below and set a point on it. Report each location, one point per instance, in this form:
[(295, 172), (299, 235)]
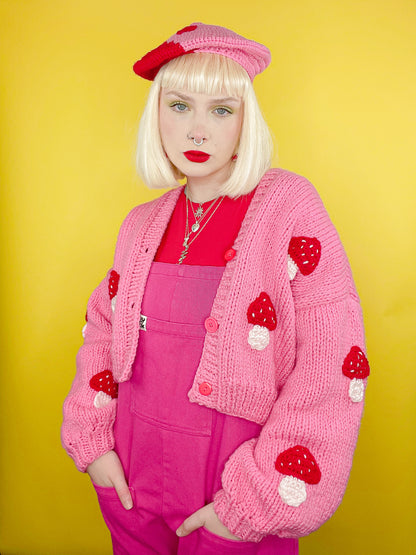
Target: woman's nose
[(197, 138), (198, 131)]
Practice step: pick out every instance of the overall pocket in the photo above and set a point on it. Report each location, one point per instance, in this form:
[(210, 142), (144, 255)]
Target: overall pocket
[(210, 543), (115, 515)]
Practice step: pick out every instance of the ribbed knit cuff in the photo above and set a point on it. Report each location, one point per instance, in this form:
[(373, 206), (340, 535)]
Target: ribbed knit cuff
[(237, 524), (91, 447)]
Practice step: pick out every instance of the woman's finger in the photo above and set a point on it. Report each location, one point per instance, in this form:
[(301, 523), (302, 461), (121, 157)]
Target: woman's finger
[(123, 492), (120, 484), (196, 520)]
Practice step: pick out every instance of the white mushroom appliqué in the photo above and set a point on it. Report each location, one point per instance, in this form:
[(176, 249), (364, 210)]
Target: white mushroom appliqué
[(262, 314), (304, 255), (300, 468), (356, 368), (113, 288)]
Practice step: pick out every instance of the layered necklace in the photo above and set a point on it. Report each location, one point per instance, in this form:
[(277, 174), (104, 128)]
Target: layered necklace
[(201, 217)]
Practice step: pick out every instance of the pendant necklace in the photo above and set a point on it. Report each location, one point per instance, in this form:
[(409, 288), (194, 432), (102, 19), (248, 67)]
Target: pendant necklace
[(199, 215), (201, 221)]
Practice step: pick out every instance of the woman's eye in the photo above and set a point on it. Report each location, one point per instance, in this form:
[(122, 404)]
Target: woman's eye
[(223, 111), (179, 106)]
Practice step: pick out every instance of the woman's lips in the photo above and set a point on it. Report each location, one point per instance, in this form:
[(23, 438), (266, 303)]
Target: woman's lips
[(197, 156)]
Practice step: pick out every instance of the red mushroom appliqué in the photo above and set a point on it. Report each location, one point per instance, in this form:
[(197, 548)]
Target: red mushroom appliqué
[(84, 329), (356, 368), (113, 288), (300, 468), (304, 254), (107, 388), (262, 314)]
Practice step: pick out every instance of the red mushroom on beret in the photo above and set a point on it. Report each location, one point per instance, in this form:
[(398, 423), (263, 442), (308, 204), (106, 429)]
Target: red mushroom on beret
[(113, 288), (356, 368), (107, 388), (304, 254), (262, 314), (300, 468)]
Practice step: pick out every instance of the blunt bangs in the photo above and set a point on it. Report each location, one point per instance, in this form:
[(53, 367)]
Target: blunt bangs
[(205, 73)]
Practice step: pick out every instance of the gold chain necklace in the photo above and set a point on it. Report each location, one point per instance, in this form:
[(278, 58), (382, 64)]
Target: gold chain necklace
[(199, 215), (196, 228)]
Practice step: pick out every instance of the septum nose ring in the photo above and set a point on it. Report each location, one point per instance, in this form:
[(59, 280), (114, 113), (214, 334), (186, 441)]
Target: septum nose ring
[(195, 143)]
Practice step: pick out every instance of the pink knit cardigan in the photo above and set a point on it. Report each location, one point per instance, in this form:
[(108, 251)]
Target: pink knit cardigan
[(284, 348)]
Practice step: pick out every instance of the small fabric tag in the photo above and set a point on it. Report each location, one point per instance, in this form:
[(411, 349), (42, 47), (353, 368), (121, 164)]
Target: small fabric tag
[(142, 323)]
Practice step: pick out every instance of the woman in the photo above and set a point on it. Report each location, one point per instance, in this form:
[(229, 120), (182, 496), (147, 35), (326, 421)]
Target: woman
[(231, 322)]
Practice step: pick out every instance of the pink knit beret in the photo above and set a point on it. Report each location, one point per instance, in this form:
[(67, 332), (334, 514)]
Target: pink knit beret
[(252, 56)]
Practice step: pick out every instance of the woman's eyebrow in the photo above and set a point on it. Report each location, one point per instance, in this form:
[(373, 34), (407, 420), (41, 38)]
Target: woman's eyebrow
[(214, 100), (176, 93), (226, 100)]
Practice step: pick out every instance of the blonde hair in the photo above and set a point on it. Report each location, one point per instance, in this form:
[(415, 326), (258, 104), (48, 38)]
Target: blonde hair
[(210, 74)]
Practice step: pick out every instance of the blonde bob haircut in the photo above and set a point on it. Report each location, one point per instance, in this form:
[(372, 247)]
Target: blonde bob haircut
[(215, 75)]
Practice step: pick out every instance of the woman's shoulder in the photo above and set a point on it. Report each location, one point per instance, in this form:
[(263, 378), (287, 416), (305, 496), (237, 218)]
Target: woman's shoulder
[(145, 208), (282, 188), (287, 180), (141, 212), (141, 215)]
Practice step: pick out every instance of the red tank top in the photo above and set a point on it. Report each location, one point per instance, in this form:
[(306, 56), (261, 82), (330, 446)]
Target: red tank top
[(212, 245)]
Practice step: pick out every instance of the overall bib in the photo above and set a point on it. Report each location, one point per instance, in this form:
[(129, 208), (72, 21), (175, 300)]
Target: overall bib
[(173, 451)]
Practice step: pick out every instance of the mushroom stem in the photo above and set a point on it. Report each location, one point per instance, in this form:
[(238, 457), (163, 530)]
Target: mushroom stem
[(292, 491), (101, 400), (291, 268), (356, 390), (259, 337)]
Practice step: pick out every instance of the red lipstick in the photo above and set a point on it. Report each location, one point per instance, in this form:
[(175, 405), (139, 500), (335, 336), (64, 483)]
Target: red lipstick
[(197, 156)]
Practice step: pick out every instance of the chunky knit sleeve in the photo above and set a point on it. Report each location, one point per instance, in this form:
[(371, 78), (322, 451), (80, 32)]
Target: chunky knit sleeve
[(291, 479), (90, 408)]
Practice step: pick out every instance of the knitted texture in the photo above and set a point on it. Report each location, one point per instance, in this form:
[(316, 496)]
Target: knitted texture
[(198, 37), (294, 387)]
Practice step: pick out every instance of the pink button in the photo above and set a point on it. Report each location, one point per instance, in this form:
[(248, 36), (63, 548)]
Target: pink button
[(229, 254), (211, 325), (205, 388)]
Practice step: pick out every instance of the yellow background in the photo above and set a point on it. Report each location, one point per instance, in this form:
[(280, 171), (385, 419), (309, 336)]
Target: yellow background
[(340, 100)]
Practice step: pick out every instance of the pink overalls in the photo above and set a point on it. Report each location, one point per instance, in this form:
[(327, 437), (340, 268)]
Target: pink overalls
[(173, 451)]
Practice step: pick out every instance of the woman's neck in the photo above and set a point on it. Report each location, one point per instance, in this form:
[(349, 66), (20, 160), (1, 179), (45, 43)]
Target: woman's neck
[(201, 192)]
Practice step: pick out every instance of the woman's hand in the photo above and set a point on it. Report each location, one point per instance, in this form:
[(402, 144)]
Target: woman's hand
[(207, 517), (107, 472)]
